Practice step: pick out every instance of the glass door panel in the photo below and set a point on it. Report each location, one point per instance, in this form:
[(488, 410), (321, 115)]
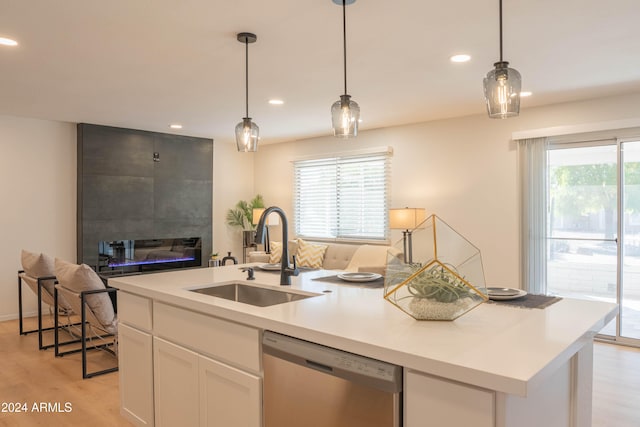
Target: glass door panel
[(630, 287), (582, 255)]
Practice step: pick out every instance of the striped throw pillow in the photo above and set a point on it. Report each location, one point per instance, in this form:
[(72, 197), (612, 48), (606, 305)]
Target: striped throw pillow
[(310, 254), (276, 252)]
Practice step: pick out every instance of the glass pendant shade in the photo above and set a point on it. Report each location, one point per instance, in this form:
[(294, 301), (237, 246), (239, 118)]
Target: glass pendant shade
[(344, 116), (502, 91), (247, 134)]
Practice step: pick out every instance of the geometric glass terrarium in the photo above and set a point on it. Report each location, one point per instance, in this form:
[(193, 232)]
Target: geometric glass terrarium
[(444, 279)]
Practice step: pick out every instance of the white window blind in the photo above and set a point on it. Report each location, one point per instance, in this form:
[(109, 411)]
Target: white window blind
[(342, 198)]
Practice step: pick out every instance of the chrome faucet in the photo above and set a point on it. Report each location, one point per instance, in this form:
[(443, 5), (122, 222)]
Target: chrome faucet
[(286, 271)]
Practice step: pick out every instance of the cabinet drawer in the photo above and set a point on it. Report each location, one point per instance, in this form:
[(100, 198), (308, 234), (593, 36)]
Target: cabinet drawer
[(237, 345), (135, 310)]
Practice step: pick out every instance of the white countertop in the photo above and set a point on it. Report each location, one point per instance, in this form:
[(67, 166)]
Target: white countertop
[(497, 347)]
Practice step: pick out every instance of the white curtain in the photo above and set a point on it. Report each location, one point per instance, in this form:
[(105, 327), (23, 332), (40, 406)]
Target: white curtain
[(532, 158)]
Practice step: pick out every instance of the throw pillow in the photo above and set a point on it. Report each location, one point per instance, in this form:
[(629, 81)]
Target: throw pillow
[(78, 278), (37, 265), (310, 255), (276, 252)]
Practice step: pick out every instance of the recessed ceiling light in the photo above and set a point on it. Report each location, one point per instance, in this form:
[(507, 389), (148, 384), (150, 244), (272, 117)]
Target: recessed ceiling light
[(460, 58), (524, 94), (276, 101), (175, 126), (8, 42)]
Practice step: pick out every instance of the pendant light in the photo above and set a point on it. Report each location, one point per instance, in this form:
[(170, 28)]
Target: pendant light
[(247, 131), (502, 87), (345, 112)]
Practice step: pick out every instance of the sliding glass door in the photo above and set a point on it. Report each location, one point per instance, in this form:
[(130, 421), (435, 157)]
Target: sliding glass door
[(630, 242), (593, 234)]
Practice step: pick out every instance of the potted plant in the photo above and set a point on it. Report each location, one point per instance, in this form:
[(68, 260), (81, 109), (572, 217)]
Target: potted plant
[(241, 216), (213, 261)]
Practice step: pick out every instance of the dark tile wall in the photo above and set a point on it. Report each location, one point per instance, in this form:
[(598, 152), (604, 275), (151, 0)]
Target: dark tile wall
[(124, 194)]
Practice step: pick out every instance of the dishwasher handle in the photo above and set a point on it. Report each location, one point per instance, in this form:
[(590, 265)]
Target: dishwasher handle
[(318, 366)]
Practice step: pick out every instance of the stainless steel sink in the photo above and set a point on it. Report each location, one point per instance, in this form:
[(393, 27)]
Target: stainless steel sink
[(253, 295)]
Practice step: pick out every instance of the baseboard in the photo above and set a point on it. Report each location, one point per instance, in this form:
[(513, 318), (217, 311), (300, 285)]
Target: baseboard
[(13, 316)]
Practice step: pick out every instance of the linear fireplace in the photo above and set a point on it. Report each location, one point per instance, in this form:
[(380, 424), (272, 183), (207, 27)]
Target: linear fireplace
[(133, 256)]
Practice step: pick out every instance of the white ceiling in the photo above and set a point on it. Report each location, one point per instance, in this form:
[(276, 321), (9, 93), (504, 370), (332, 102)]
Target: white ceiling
[(147, 63)]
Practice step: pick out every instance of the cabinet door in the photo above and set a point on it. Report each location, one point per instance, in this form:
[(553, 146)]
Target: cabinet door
[(135, 354), (228, 396), (431, 401), (175, 384)]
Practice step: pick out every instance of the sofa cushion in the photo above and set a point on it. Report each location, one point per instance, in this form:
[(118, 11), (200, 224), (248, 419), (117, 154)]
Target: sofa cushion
[(368, 256), (310, 255)]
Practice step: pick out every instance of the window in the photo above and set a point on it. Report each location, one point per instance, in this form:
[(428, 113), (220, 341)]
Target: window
[(342, 198)]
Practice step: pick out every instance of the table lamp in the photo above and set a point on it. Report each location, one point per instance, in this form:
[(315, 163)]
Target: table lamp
[(406, 219), (257, 213)]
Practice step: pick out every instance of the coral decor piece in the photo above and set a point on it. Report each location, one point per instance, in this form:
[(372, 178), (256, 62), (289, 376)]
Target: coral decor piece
[(446, 281)]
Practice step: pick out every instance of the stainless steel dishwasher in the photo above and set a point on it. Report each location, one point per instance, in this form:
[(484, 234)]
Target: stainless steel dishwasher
[(310, 385)]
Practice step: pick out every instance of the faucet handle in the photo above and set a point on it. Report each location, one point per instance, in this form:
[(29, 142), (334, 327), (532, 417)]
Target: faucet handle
[(295, 270)]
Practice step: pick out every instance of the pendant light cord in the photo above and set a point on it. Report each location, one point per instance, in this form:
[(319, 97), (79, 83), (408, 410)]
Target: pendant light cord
[(500, 30), (246, 76), (344, 41)]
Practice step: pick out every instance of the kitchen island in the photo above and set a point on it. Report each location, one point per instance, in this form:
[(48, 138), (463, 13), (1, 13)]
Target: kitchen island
[(494, 366)]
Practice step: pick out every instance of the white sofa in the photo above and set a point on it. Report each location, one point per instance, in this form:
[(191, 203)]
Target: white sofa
[(340, 256)]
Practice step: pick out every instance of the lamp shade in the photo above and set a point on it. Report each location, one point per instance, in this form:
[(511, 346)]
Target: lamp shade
[(247, 135), (271, 219), (502, 91), (345, 114), (406, 218), (257, 213)]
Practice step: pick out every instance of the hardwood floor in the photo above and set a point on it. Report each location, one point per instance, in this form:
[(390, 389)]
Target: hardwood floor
[(616, 386), (31, 376)]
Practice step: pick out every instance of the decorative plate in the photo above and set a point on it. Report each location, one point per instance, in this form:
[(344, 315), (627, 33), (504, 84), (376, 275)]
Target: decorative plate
[(270, 267), (503, 294), (359, 277)]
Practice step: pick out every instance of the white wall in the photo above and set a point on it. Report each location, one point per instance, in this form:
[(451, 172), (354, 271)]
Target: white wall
[(38, 193), (463, 170), (232, 181)]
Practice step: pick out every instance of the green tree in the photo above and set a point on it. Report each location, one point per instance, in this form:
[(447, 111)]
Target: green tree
[(586, 189)]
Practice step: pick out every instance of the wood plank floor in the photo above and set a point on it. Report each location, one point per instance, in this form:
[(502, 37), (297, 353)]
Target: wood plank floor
[(616, 386), (31, 376)]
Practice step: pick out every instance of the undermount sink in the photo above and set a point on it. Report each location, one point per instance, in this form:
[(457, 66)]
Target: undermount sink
[(253, 295)]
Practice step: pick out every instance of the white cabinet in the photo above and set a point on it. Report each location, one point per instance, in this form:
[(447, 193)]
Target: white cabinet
[(180, 367), (213, 362), (175, 384), (432, 401), (193, 390), (228, 396), (135, 359)]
